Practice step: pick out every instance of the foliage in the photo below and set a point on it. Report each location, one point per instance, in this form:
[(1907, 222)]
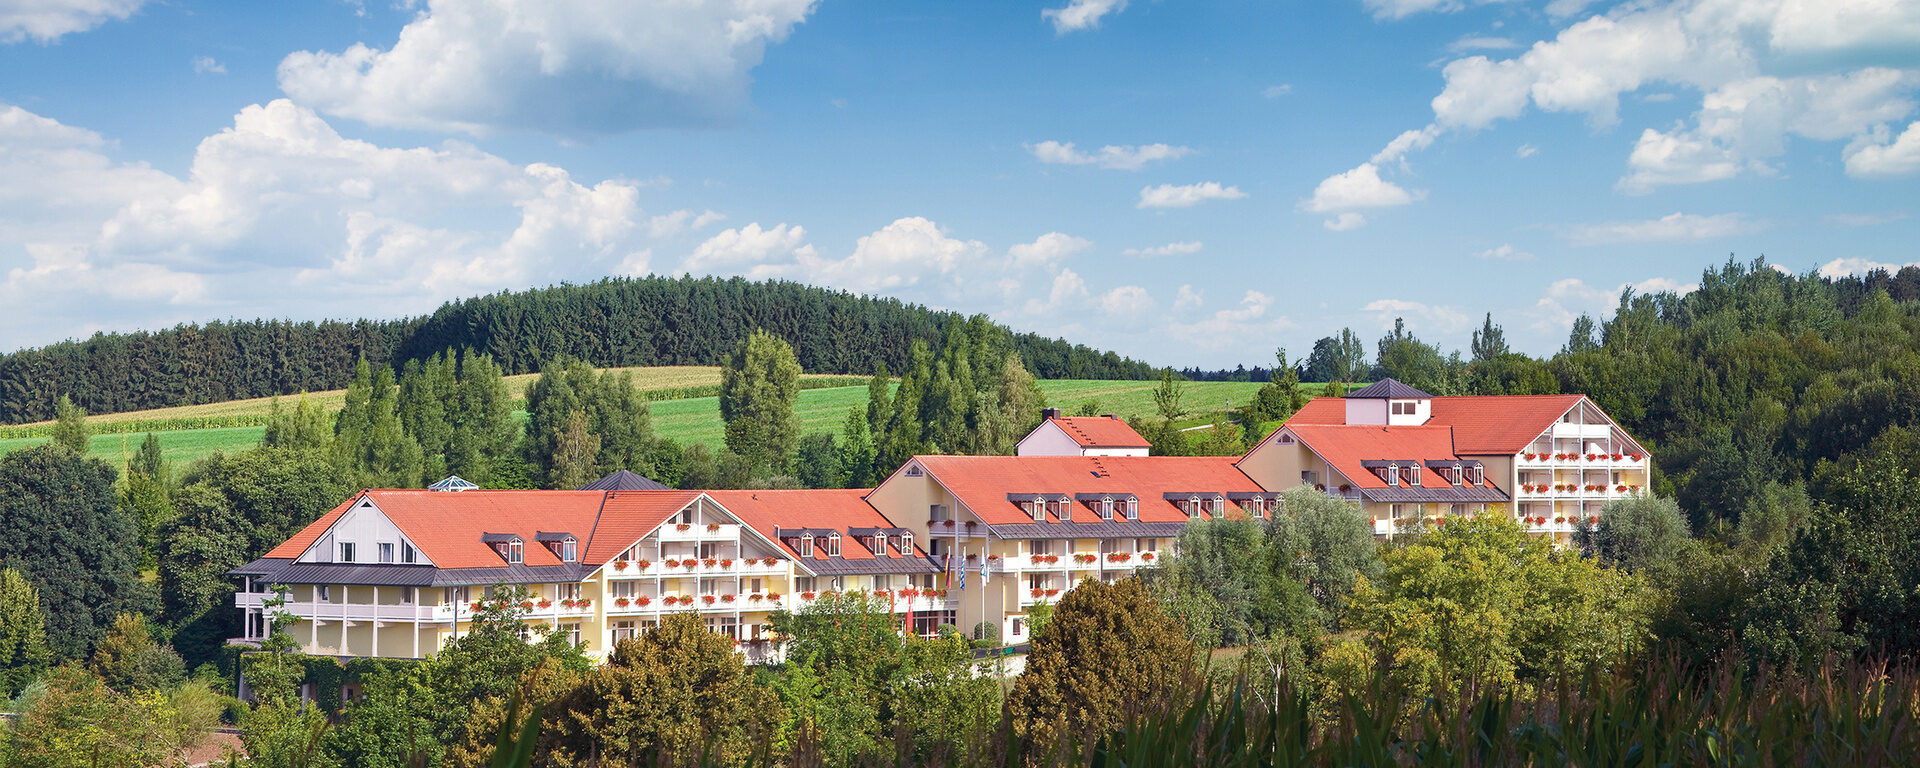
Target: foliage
[(370, 444), (1414, 362), (1323, 543), (1336, 358), (758, 386), (678, 695), (1216, 583), (816, 463), (61, 528), (23, 633), (1479, 602), (147, 497), (73, 719), (581, 425), (1641, 533), (305, 427), (70, 425), (1140, 651), (128, 659)]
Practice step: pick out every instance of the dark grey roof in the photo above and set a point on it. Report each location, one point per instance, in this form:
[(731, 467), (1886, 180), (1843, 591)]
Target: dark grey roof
[(499, 538), (553, 536), (1430, 494), (1020, 497), (1103, 529), (282, 571), (1115, 495), (1376, 463), (1178, 495), (872, 531), (1251, 495), (625, 481), (1385, 389), (781, 533)]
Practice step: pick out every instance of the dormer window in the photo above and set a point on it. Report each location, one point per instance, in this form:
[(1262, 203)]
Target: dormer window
[(1133, 508), (1393, 475), (806, 545), (914, 471), (833, 545), (408, 554), (880, 544), (1193, 506), (1106, 508), (1258, 507), (569, 550), (906, 544), (1479, 475), (514, 553), (1413, 475), (1039, 511), (1066, 510)]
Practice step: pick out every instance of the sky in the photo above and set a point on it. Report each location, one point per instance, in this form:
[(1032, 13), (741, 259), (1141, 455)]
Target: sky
[(1189, 182)]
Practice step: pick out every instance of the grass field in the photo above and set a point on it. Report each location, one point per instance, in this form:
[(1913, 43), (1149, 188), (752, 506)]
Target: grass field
[(689, 420)]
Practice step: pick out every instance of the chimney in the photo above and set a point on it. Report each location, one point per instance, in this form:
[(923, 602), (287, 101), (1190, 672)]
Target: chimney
[(1115, 417), (1048, 414)]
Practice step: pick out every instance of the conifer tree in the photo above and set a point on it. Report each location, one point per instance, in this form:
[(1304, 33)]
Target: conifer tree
[(61, 527), (574, 452), (551, 403), (857, 453), (1012, 408), (147, 496), (879, 403), (23, 633), (624, 424), (70, 425), (758, 386), (906, 432), (427, 395), (484, 433)]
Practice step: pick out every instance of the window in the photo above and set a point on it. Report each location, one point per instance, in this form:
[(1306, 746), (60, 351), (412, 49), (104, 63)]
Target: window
[(1066, 510), (906, 544), (923, 581), (1193, 506), (323, 594), (803, 583), (346, 552), (571, 629), (568, 551), (624, 589), (408, 554), (1258, 507), (1133, 508), (1413, 475), (755, 585), (928, 623), (1479, 475), (1219, 506), (406, 595), (513, 551), (1039, 511), (1019, 626), (685, 516), (1106, 508), (386, 551), (833, 545), (915, 471), (568, 591), (623, 630), (806, 545), (1146, 545), (1393, 474), (1036, 546), (1393, 511), (937, 512), (880, 544), (882, 581)]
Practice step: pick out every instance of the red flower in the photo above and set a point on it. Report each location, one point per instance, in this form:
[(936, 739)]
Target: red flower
[(993, 557), (526, 605), (620, 564), (645, 564), (476, 606), (1146, 555), (909, 593), (711, 527), (947, 523), (683, 526), (708, 599), (1560, 519), (643, 600), (622, 602), (773, 595), (710, 561), (1620, 488), (726, 598), (545, 603), (756, 597), (726, 562), (1616, 457), (1038, 592), (582, 604), (807, 595), (672, 563), (1051, 591)]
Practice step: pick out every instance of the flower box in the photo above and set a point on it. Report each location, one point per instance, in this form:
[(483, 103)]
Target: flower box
[(583, 604), (688, 564), (773, 596), (563, 603), (993, 557), (1592, 456), (708, 599), (1620, 488), (726, 562), (972, 557), (808, 596), (673, 563), (1147, 555), (1634, 456), (710, 562), (619, 565), (1345, 487), (683, 527), (1038, 592), (972, 523), (1319, 486), (713, 527), (909, 593), (645, 564), (936, 593), (1051, 591), (526, 605), (643, 600), (1529, 456), (756, 597), (947, 523), (1560, 519), (622, 602), (1616, 457), (726, 598), (475, 607), (544, 603)]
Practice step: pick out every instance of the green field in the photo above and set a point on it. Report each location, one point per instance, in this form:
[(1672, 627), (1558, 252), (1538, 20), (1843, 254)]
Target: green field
[(687, 420)]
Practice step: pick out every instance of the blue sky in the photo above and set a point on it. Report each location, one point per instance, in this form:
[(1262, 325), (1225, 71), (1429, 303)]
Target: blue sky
[(1191, 183)]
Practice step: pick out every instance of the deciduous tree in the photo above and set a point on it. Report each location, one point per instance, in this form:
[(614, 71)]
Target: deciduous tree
[(1140, 651), (23, 633), (61, 527), (759, 383)]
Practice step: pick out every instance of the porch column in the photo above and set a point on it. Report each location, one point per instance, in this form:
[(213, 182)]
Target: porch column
[(346, 600), (376, 621)]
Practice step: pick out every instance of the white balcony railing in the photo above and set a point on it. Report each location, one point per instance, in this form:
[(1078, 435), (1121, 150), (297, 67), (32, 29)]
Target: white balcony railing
[(699, 532), (697, 566)]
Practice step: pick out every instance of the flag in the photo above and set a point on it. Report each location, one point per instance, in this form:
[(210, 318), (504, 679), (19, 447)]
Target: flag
[(963, 577)]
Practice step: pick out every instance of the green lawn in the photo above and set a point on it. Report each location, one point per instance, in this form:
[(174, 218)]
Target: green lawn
[(697, 419)]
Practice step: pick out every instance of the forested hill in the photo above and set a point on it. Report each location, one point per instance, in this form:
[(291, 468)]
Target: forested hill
[(613, 322)]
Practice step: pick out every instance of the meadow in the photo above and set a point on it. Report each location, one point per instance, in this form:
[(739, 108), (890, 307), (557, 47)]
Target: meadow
[(685, 406)]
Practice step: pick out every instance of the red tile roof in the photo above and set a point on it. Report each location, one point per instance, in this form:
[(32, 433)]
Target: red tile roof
[(840, 510), (447, 526), (1483, 425), (1345, 447), (1100, 432), (983, 482)]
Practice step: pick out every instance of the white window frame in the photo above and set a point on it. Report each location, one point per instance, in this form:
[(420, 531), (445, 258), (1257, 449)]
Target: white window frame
[(1259, 507), (386, 552), (1393, 475), (806, 545), (323, 593), (516, 552), (906, 544), (1106, 508), (408, 554), (833, 544), (1133, 508), (1066, 510), (1039, 510), (879, 544), (348, 552), (569, 550), (1413, 476)]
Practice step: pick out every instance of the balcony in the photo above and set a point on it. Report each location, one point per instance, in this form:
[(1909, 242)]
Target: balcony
[(1036, 595), (700, 532), (948, 529), (713, 566)]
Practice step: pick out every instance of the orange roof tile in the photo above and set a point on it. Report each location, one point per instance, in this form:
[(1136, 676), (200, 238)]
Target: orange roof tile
[(628, 517), (983, 482), (1345, 447), (840, 510), (291, 548), (447, 526), (1100, 432), (1483, 425)]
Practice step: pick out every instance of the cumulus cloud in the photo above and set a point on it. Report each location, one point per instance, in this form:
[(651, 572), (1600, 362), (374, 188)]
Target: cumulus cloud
[(1875, 156), (1081, 14), (748, 245), (1419, 316), (45, 21), (561, 66), (1400, 9), (1048, 249), (1232, 327), (338, 226), (1357, 189), (1127, 301), (1671, 228), (1569, 298), (205, 65), (1188, 298), (1525, 151), (1407, 141), (1186, 195), (1345, 221), (1839, 268), (1277, 91), (1184, 248), (1117, 157)]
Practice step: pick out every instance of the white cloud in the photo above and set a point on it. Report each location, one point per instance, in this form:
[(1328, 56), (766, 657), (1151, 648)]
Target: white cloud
[(1428, 317), (1407, 141), (1506, 252), (1400, 9), (1117, 157), (1081, 14), (1186, 195), (1572, 297), (748, 245), (1345, 221), (45, 21), (1127, 301), (1525, 151), (1067, 287), (561, 66), (1188, 298), (899, 255), (1047, 250), (1359, 188), (1671, 228), (1170, 249), (1876, 157), (683, 220), (1675, 158), (337, 226), (1277, 91), (1863, 219), (1234, 327), (1481, 43), (206, 65), (1839, 268)]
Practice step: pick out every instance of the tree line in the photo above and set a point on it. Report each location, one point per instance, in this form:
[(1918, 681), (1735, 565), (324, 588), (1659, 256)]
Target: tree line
[(616, 322)]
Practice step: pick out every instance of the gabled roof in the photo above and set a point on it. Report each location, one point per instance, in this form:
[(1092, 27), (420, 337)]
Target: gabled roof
[(1388, 389), (1350, 448), (448, 527), (628, 516), (1100, 432), (983, 483), (1483, 425), (623, 480), (842, 511)]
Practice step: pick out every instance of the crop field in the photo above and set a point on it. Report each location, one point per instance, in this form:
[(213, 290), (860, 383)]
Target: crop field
[(190, 433)]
